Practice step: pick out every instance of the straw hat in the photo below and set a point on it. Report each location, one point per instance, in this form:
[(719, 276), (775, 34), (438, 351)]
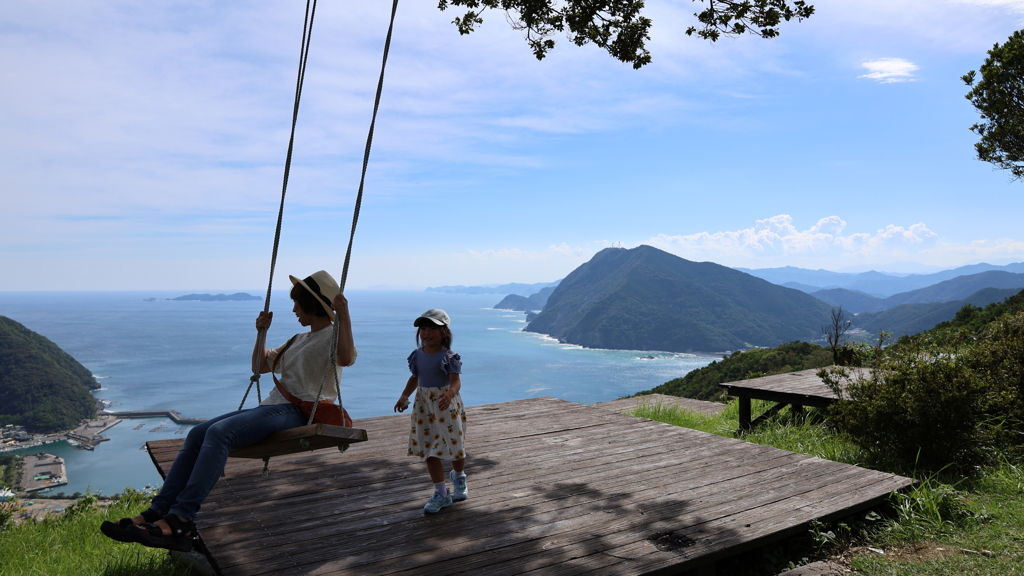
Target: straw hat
[(322, 285)]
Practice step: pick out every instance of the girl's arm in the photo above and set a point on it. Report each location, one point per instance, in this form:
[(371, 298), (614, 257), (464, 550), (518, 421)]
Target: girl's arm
[(345, 355), (403, 401), (454, 385), (262, 323)]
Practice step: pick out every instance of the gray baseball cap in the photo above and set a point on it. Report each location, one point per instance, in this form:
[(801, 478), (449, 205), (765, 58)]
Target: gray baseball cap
[(438, 317)]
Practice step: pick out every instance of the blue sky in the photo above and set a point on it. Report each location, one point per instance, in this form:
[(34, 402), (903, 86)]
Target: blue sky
[(142, 147)]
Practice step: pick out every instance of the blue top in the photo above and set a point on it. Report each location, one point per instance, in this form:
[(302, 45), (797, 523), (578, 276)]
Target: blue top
[(431, 370)]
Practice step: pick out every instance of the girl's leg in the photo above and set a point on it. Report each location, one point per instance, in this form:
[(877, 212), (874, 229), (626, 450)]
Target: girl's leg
[(458, 477), (436, 470), (239, 429), (181, 469)]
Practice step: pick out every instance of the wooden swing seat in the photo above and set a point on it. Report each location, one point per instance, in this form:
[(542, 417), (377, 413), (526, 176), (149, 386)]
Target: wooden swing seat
[(301, 439)]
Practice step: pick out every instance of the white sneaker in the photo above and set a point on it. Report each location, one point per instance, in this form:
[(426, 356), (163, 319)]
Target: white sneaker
[(461, 491), (438, 501)]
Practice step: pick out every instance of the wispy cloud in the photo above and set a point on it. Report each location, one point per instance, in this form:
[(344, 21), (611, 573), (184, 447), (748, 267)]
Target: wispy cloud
[(889, 70), (1014, 5), (777, 239)]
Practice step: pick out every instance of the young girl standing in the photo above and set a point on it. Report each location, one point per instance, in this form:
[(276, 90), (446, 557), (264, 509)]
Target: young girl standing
[(438, 417)]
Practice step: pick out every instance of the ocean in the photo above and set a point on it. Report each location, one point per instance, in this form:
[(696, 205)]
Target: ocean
[(194, 357)]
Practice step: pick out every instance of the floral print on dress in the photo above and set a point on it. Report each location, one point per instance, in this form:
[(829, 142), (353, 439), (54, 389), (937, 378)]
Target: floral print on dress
[(436, 433)]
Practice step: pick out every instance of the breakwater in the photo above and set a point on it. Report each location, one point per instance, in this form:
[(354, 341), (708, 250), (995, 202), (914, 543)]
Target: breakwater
[(172, 414)]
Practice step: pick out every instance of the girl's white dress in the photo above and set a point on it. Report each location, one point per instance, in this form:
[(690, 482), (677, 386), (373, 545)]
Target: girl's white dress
[(437, 433)]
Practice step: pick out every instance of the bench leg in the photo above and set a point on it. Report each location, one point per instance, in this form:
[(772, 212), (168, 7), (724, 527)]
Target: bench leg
[(744, 413)]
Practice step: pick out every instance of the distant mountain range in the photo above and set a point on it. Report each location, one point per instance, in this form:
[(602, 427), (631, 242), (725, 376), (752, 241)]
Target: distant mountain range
[(958, 288), (915, 318), (647, 299), (877, 284)]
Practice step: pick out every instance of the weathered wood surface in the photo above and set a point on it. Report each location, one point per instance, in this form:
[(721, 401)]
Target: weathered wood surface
[(629, 404), (554, 488)]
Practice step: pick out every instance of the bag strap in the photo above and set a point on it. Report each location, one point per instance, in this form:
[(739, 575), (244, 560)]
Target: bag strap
[(280, 388)]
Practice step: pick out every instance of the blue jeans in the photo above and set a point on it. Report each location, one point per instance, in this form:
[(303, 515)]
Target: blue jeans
[(200, 462)]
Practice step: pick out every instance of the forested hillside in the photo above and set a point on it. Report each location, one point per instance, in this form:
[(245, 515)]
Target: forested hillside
[(43, 388), (703, 383), (914, 318), (648, 299)]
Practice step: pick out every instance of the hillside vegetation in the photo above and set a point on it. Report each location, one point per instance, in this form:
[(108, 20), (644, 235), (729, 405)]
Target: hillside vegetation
[(914, 318), (648, 299), (703, 383), (949, 397), (43, 388)]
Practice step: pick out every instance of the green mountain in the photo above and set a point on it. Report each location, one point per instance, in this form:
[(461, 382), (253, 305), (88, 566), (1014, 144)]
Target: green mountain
[(647, 299), (43, 388)]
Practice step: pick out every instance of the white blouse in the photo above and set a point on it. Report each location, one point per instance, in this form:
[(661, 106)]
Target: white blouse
[(303, 366)]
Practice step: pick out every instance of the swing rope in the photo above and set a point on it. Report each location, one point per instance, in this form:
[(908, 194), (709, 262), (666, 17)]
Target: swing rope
[(355, 211), (261, 336)]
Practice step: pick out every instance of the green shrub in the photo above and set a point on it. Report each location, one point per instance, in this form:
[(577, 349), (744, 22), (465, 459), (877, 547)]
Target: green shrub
[(923, 406)]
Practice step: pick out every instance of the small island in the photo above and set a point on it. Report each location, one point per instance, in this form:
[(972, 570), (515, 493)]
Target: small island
[(217, 297)]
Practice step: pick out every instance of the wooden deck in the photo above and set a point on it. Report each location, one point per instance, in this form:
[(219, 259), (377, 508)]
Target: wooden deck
[(554, 488)]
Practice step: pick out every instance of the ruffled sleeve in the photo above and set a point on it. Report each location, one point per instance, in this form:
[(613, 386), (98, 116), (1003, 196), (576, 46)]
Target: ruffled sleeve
[(412, 364), (452, 363)]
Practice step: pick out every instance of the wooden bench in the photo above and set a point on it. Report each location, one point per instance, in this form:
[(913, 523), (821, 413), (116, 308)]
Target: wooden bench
[(798, 389)]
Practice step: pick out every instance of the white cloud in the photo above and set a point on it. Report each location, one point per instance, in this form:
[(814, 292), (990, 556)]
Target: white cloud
[(992, 251), (889, 70), (776, 241), (1011, 5)]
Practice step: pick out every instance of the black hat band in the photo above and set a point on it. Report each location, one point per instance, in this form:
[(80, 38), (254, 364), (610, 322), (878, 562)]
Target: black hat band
[(316, 289)]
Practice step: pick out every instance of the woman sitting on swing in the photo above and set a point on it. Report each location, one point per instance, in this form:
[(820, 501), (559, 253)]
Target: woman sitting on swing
[(168, 523)]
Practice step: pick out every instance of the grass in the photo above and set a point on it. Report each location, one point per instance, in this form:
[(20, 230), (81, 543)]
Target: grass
[(71, 544), (946, 525)]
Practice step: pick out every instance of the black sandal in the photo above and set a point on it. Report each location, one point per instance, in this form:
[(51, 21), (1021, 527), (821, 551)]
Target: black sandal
[(119, 530), (183, 534)]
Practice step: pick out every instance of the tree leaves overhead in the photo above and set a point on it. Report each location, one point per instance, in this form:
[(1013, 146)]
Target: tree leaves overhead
[(618, 25), (758, 17), (999, 98)]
